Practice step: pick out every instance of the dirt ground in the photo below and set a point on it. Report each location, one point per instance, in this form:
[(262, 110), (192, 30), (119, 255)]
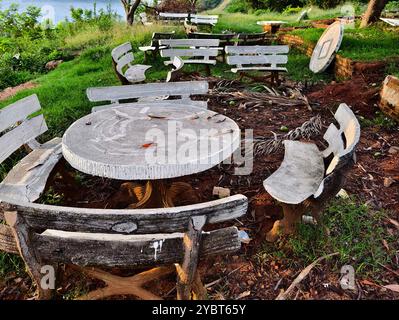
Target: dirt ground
[(239, 276)]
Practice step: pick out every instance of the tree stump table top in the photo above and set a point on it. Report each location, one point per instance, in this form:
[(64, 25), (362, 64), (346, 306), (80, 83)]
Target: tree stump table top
[(328, 44), (150, 142)]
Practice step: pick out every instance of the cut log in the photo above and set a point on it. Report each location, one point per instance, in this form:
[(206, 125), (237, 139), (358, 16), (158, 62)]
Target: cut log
[(7, 241), (390, 97)]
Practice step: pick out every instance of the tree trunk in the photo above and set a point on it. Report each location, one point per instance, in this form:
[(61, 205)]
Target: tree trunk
[(130, 7), (373, 12)]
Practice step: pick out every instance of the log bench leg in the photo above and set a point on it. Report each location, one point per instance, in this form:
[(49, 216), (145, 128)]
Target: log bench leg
[(22, 235), (124, 285), (187, 272), (292, 216)]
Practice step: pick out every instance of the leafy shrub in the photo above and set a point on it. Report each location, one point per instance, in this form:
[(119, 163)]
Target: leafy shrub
[(292, 10), (96, 53), (237, 6)]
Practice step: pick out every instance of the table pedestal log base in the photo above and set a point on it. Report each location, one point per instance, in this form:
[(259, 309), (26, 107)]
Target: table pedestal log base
[(117, 286), (156, 194)]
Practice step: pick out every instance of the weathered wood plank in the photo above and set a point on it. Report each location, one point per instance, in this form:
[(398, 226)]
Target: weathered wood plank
[(27, 180), (7, 241), (163, 220), (124, 61), (167, 53), (121, 50), (83, 251), (118, 93), (25, 132), (263, 59), (176, 43), (239, 50), (18, 111)]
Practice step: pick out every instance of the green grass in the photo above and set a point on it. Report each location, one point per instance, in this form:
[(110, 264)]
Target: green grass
[(10, 263), (356, 232), (298, 69), (368, 44)]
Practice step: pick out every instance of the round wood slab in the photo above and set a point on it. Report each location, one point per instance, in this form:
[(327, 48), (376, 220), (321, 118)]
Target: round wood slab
[(327, 46), (147, 142)]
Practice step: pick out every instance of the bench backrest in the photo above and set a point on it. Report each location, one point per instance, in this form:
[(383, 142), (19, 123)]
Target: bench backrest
[(203, 19), (97, 237), (204, 48), (342, 142), (224, 38), (257, 55), (122, 56), (117, 94), (247, 39), (18, 127), (173, 16)]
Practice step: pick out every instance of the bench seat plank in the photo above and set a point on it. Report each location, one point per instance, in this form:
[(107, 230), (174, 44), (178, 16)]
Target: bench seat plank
[(279, 69), (136, 73), (121, 250), (299, 175), (211, 62), (27, 180)]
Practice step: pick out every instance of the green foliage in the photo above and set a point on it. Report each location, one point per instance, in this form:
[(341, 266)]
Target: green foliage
[(380, 120), (392, 6), (355, 231), (10, 263), (237, 6)]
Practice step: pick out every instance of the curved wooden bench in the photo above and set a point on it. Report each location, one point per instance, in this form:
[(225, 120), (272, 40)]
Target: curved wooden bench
[(27, 180), (313, 176), (127, 73), (122, 238), (149, 93)]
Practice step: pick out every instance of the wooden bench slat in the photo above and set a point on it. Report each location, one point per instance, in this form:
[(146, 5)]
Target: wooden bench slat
[(121, 50), (263, 59), (277, 49), (100, 250), (167, 53), (118, 93), (138, 221), (279, 69), (25, 132), (27, 180), (18, 111), (173, 43)]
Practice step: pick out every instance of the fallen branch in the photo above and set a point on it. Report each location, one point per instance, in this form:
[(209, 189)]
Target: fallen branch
[(302, 275)]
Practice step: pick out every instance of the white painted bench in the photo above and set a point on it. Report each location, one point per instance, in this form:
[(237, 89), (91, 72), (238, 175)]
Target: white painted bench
[(27, 180), (166, 238), (312, 175), (203, 19), (258, 58), (123, 57), (192, 51), (149, 93), (173, 16)]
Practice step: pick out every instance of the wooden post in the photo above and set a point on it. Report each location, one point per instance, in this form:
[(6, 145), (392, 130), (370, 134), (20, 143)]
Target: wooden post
[(187, 271), (23, 235)]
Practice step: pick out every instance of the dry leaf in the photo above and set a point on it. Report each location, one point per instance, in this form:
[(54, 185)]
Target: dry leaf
[(394, 222), (385, 243), (243, 295), (393, 287), (147, 145)]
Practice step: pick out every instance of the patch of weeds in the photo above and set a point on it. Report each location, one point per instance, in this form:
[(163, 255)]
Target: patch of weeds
[(381, 120), (51, 197), (355, 231), (11, 263)]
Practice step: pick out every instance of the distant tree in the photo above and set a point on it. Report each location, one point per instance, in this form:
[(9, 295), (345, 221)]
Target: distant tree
[(373, 12), (130, 7)]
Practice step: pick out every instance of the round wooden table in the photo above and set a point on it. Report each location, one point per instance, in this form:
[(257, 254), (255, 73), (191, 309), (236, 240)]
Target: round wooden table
[(149, 142)]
